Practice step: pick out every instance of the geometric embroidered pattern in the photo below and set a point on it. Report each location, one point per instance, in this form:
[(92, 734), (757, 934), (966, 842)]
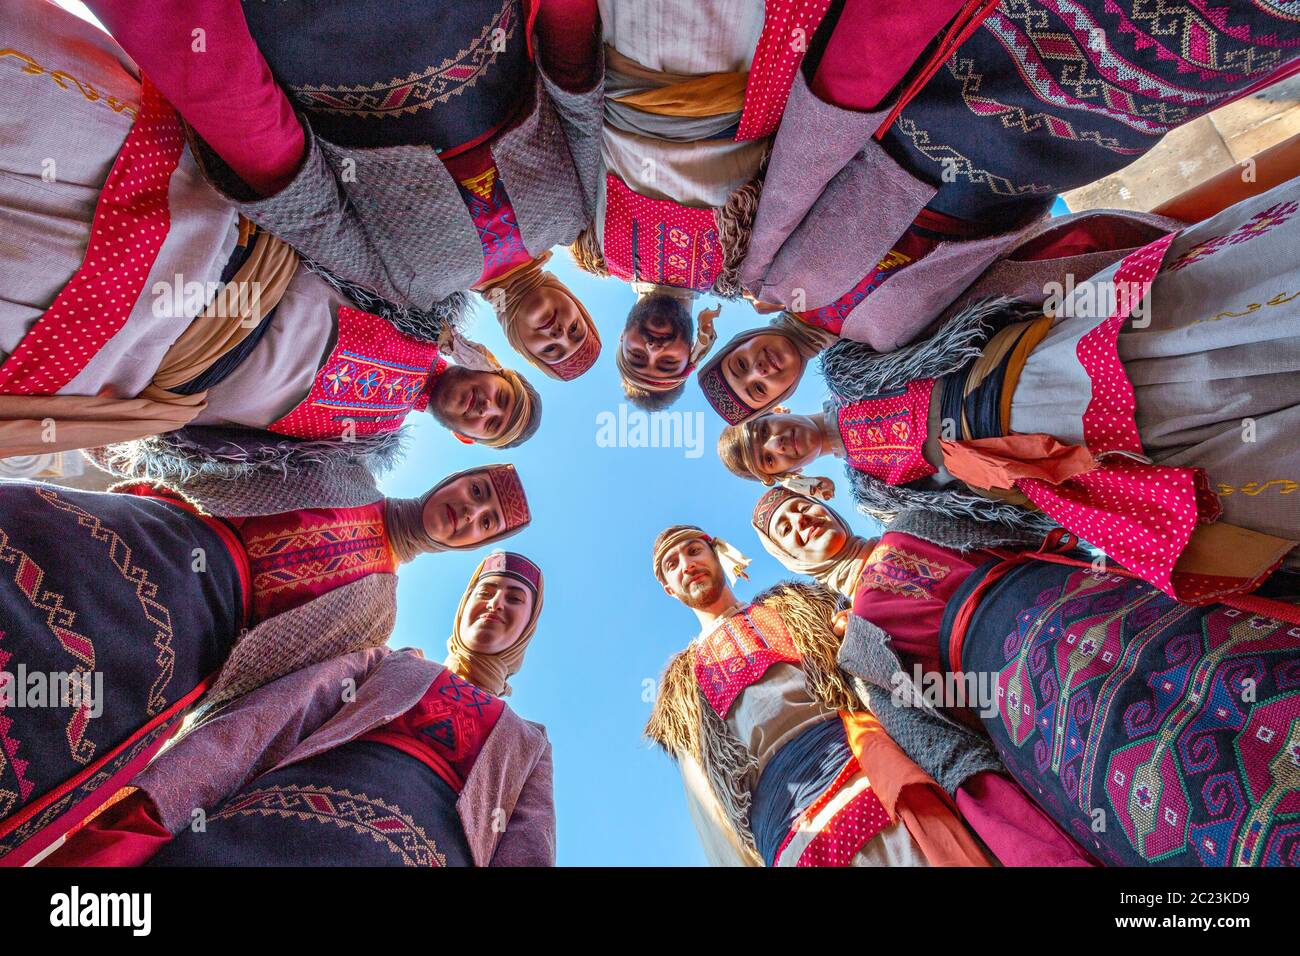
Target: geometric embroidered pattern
[(1259, 224), (957, 164), (119, 552), (901, 572), (418, 90), (297, 556), (30, 578), (1180, 724), (738, 652), (386, 825), (87, 788), (372, 379)]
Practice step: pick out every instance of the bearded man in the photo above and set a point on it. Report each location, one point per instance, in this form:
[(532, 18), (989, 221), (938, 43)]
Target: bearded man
[(782, 766)]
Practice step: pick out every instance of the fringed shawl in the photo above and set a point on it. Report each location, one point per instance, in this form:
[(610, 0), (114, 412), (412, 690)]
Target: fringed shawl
[(855, 371), (684, 724), (228, 453)]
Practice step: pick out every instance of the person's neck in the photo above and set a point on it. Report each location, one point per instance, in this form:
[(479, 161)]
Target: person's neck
[(825, 445), (708, 616)]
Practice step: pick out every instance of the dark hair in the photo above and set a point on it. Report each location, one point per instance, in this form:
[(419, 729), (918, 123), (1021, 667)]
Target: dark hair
[(662, 305), (651, 401)]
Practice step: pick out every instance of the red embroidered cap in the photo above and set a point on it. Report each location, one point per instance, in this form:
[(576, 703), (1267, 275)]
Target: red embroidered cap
[(514, 565), (768, 505), (884, 436), (510, 493), (580, 359), (724, 399)]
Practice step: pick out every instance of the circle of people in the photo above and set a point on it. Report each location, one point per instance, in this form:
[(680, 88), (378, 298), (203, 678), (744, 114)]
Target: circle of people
[(236, 262)]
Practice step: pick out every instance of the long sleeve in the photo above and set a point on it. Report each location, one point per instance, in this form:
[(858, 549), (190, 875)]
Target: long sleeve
[(568, 44), (128, 833), (529, 837), (580, 114), (249, 736), (202, 58)]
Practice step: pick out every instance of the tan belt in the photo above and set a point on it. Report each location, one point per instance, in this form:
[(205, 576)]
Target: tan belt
[(39, 424)]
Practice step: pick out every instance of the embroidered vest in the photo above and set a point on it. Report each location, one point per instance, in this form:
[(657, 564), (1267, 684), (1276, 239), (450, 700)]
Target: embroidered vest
[(884, 436), (738, 653), (372, 379), (299, 555), (657, 240), (447, 729)]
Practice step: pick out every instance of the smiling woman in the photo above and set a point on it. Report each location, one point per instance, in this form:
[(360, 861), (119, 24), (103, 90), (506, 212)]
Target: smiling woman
[(543, 321), (761, 367), (495, 621)]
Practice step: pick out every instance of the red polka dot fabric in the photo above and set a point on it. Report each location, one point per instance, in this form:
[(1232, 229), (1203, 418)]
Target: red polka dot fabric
[(788, 28), (739, 652), (1140, 515), (657, 240), (131, 222), (1110, 420), (844, 834), (374, 377)]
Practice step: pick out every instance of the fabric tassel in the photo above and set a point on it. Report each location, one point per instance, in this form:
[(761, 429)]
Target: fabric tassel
[(732, 560)]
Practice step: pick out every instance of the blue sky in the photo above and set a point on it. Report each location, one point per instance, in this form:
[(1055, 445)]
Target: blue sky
[(606, 626)]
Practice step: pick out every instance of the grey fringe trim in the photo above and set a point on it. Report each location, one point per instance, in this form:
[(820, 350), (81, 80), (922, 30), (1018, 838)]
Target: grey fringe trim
[(732, 772), (947, 751), (182, 456), (419, 323), (965, 534), (854, 370), (959, 513)]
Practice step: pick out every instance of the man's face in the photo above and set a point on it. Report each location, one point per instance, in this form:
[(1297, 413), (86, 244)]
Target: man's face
[(762, 369), (693, 573), (780, 443), (473, 403), (495, 614), (806, 530), (464, 512), (658, 344)]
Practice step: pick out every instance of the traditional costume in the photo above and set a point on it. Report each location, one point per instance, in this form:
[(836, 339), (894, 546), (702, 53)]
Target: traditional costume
[(494, 115), (694, 93), (901, 174), (1000, 813), (1153, 732), (137, 300), (418, 767), (781, 764), (218, 589), (1153, 415)]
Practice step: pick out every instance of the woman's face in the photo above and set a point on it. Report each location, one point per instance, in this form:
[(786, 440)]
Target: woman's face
[(463, 512), (781, 443), (496, 613), (549, 324), (806, 530), (761, 369)]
